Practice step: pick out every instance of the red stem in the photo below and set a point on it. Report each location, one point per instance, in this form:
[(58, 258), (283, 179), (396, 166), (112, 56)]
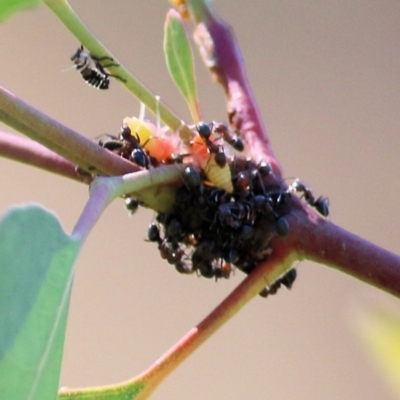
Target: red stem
[(322, 241), (222, 55), (246, 291), (29, 152), (317, 239)]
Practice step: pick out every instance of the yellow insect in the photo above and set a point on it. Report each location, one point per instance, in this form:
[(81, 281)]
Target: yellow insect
[(204, 149), (154, 142)]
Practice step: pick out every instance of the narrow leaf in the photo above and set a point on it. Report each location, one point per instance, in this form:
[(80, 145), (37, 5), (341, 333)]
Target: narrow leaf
[(8, 7), (36, 260), (179, 59)]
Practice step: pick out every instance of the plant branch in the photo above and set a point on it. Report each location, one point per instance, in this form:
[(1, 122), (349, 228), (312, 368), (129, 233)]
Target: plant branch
[(27, 151), (74, 24), (221, 54), (64, 141), (317, 239), (264, 275), (104, 190), (86, 154)]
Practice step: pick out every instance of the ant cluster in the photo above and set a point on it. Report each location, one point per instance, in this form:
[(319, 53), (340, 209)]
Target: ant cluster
[(228, 209), (216, 226)]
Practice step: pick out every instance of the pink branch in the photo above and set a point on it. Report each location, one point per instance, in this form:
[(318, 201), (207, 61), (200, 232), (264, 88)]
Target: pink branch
[(63, 140), (221, 54), (311, 236), (321, 241), (29, 152), (317, 239)]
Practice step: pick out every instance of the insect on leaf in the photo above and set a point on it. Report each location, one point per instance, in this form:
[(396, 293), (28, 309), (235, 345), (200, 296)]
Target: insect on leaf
[(36, 260), (179, 59)]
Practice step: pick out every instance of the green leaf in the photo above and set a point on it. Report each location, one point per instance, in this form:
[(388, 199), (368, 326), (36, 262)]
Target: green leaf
[(36, 268), (8, 7), (179, 59), (381, 332)]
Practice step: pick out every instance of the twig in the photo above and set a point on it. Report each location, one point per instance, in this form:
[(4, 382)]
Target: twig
[(27, 151), (319, 240), (144, 384), (221, 54), (63, 140)]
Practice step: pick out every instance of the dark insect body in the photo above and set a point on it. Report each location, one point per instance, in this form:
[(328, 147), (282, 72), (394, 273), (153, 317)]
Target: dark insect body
[(286, 280), (205, 130), (128, 146), (233, 139), (91, 69), (132, 204), (210, 230), (321, 204)]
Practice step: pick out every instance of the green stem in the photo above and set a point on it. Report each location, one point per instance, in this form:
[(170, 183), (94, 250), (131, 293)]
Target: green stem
[(70, 19), (104, 190)]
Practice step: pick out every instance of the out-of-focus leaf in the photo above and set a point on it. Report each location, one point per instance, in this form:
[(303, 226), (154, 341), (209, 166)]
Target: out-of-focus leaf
[(381, 331), (36, 268), (8, 7), (179, 59)]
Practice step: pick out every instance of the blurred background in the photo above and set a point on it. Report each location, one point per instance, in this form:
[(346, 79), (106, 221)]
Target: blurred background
[(326, 77)]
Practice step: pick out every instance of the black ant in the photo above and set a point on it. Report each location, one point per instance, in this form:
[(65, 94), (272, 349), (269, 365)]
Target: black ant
[(132, 204), (286, 280), (171, 252), (321, 204), (205, 130), (116, 145), (192, 178), (234, 140), (91, 69)]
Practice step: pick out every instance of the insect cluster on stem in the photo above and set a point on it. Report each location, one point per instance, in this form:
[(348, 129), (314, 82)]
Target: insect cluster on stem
[(228, 209)]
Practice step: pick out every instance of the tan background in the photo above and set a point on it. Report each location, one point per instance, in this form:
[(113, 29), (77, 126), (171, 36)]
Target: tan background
[(326, 76)]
